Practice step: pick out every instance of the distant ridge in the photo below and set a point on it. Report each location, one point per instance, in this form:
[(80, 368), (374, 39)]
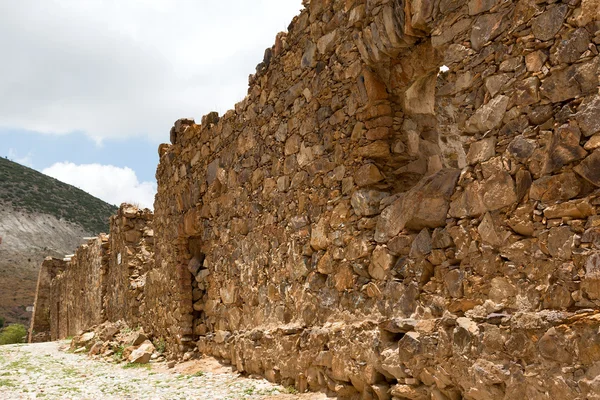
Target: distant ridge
[(28, 190)]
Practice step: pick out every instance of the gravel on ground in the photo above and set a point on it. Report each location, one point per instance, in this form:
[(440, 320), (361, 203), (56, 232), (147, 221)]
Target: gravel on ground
[(49, 371)]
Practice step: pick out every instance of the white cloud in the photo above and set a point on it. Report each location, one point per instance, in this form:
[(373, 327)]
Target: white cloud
[(25, 160), (112, 184), (113, 69)]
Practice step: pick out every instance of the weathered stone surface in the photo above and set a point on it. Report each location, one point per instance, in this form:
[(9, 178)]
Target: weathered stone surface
[(574, 208), (521, 148), (482, 150), (557, 187), (562, 148), (546, 25), (367, 175), (589, 168), (420, 97), (535, 61), (560, 242), (488, 116), (485, 28), (570, 82), (492, 194), (366, 202), (381, 263), (142, 354), (479, 6), (426, 205), (588, 116), (571, 48)]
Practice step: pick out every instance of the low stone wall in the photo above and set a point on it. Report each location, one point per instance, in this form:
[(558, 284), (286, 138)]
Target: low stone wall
[(39, 330), (104, 281), (78, 292)]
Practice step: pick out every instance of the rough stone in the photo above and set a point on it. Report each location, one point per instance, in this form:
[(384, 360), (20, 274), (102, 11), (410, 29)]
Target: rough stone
[(142, 354), (556, 187), (424, 206), (367, 175), (546, 25), (482, 150), (588, 116), (488, 116), (366, 202), (589, 168)]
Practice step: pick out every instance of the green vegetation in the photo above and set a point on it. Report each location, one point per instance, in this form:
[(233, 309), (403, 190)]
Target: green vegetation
[(118, 356), (291, 390), (7, 383), (28, 190), (137, 365), (15, 333), (160, 344), (70, 371), (1, 322)]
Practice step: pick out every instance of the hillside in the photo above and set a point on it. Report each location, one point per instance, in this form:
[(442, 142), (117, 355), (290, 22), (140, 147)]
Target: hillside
[(39, 216), (33, 192)]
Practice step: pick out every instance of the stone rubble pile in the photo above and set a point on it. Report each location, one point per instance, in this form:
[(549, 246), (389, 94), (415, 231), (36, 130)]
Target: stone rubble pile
[(116, 342)]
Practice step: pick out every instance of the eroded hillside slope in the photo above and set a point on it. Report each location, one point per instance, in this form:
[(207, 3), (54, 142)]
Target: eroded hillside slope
[(39, 217)]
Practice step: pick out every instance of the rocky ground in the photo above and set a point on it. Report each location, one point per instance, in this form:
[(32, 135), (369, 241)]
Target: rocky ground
[(50, 371)]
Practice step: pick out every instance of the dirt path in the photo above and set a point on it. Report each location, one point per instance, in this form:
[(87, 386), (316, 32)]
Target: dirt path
[(34, 371)]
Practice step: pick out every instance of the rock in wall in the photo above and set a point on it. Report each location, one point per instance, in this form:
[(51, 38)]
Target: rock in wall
[(363, 223), (39, 330)]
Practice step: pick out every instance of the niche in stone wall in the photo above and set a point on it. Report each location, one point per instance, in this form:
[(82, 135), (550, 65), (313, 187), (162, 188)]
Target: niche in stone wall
[(197, 267)]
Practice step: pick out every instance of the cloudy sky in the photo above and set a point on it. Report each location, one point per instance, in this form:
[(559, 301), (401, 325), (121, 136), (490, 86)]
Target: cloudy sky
[(89, 88)]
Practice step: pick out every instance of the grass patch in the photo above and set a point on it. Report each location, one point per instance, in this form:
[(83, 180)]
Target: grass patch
[(290, 390), (70, 371), (137, 365), (7, 383), (199, 374), (22, 364)]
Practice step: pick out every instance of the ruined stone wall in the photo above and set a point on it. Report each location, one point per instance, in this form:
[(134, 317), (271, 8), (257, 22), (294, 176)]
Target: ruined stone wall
[(78, 292), (104, 281), (363, 223), (39, 330), (131, 244), (59, 323)]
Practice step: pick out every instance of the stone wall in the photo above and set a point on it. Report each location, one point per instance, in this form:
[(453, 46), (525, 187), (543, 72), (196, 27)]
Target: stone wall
[(131, 246), (104, 281), (77, 293), (367, 224), (39, 330), (363, 223)]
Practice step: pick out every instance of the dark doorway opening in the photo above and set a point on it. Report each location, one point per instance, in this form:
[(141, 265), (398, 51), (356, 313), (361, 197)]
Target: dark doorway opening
[(197, 267)]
